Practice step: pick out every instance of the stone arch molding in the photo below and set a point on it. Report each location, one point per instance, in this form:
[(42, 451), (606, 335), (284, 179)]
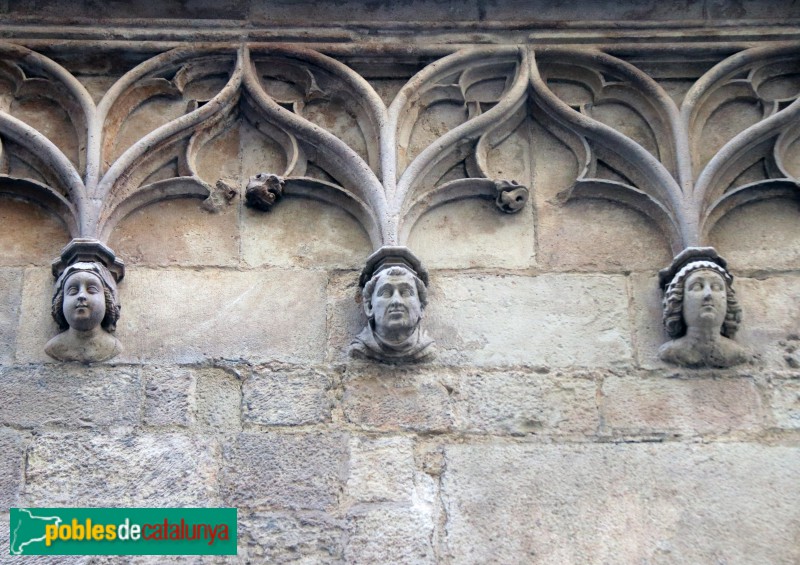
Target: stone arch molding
[(385, 180)]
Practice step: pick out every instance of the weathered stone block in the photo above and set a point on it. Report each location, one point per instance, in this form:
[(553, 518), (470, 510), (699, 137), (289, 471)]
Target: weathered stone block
[(520, 403), (621, 503), (199, 315), (307, 537), (381, 469), (392, 398), (492, 320), (281, 398), (296, 471), (12, 456), (136, 470), (345, 314), (669, 406), (37, 326), (256, 315), (471, 233), (647, 313), (389, 534), (598, 235), (771, 317), (559, 320), (329, 236), (169, 397), (763, 235), (218, 397), (30, 234), (70, 395), (178, 232), (783, 398), (10, 298)]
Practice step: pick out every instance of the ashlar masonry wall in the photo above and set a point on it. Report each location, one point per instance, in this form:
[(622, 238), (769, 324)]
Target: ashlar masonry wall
[(546, 430)]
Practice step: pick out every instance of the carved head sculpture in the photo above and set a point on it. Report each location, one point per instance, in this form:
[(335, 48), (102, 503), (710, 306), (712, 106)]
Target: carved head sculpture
[(394, 301), (701, 313), (83, 291), (86, 308), (510, 196), (394, 297), (701, 293), (263, 191)]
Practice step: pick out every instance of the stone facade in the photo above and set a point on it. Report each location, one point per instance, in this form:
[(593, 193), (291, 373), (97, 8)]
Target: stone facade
[(546, 429)]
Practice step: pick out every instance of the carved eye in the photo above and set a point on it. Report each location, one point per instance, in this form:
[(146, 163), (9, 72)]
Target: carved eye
[(385, 293), (72, 291), (696, 286), (93, 289), (406, 292), (717, 287)]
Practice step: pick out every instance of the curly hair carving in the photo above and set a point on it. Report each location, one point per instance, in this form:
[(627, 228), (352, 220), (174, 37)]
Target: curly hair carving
[(673, 302)]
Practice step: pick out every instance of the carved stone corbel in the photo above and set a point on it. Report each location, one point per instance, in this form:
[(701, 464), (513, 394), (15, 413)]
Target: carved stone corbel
[(511, 196), (86, 303), (394, 288), (263, 191), (701, 313)]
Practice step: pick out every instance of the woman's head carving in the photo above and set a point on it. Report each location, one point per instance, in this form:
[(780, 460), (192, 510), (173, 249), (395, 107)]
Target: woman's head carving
[(80, 288), (675, 295)]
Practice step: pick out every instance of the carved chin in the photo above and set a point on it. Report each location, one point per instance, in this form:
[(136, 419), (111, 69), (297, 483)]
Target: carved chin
[(710, 317), (396, 321), (83, 323)]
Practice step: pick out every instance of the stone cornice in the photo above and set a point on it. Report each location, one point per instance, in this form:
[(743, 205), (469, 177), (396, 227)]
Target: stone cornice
[(408, 36)]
